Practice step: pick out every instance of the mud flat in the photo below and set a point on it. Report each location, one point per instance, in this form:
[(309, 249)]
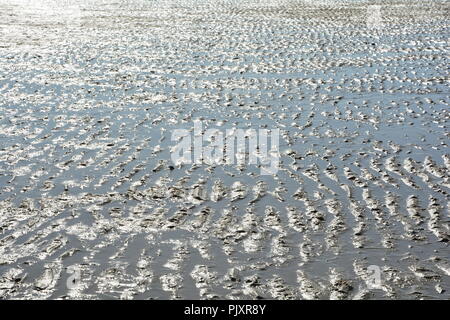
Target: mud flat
[(91, 205)]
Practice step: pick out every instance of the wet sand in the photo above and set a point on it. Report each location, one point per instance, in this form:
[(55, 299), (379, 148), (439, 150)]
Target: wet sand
[(90, 94)]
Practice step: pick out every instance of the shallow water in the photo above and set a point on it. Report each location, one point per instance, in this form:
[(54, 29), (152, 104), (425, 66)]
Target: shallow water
[(91, 91)]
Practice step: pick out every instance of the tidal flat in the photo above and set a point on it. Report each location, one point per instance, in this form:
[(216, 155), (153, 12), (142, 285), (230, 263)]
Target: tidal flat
[(93, 207)]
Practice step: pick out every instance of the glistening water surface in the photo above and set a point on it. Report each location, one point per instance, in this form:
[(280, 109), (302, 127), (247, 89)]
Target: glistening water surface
[(92, 206)]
